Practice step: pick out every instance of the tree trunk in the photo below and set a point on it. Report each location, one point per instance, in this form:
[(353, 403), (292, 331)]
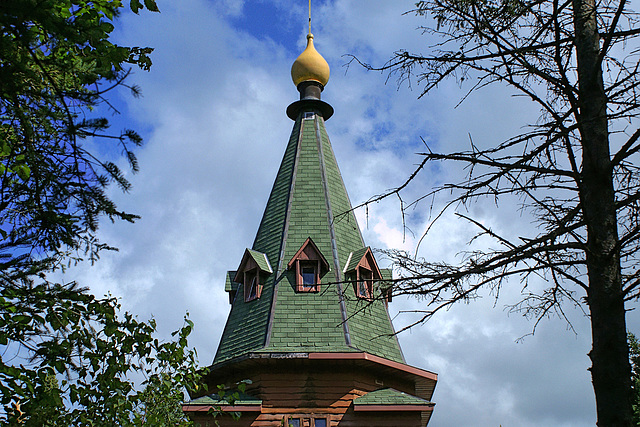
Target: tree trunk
[(610, 371)]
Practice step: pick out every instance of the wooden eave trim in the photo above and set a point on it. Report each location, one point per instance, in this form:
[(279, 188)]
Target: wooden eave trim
[(346, 264), (223, 408), (377, 275), (375, 359), (376, 270), (359, 356), (268, 263), (393, 408), (243, 265), (306, 243)]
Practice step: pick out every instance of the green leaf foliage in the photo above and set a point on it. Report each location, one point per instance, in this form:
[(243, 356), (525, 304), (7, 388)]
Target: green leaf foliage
[(69, 358), (57, 64)]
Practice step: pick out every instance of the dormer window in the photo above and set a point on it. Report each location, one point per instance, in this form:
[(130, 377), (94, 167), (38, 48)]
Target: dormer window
[(230, 286), (364, 283), (309, 275), (252, 274), (252, 286), (386, 285), (309, 265), (362, 270)]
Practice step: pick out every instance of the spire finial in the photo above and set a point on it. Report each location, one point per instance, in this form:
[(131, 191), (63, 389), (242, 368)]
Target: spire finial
[(310, 65), (310, 73), (309, 16)]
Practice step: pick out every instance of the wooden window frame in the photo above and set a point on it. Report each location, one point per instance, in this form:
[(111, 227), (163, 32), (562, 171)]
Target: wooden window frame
[(308, 256), (300, 285), (312, 418), (364, 280), (252, 281)]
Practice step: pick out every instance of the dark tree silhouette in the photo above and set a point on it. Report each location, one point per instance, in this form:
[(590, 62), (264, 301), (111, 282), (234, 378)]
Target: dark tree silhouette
[(575, 170)]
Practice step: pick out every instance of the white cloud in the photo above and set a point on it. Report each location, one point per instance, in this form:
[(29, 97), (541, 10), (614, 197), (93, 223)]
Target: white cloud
[(214, 107)]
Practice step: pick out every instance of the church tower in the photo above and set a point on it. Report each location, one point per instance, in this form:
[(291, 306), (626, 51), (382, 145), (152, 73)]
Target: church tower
[(309, 326)]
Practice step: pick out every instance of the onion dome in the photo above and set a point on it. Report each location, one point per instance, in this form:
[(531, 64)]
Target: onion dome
[(310, 65)]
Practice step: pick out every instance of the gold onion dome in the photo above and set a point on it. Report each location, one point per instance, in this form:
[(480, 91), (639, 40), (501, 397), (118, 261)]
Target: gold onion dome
[(310, 65)]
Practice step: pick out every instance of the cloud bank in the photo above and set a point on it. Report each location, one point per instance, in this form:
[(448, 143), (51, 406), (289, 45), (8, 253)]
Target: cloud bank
[(213, 117)]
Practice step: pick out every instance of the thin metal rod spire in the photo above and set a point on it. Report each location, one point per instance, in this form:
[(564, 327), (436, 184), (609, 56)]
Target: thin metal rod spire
[(309, 16)]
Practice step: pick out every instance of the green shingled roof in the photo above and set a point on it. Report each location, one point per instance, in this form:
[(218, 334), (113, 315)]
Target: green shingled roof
[(261, 260), (390, 396), (216, 400), (229, 284), (354, 259), (387, 273), (308, 199)]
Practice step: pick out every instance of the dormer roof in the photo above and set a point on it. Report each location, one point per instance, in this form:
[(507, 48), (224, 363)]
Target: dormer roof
[(363, 258), (309, 251), (252, 259)]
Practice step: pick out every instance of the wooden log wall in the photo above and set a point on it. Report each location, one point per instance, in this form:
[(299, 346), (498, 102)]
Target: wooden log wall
[(317, 392)]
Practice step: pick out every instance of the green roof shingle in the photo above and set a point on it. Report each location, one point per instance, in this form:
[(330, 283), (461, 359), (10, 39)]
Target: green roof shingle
[(261, 260), (246, 328), (308, 199), (229, 284), (216, 400), (390, 396)]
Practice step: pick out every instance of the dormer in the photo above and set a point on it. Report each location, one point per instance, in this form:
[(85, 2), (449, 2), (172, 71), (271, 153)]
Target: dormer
[(230, 286), (309, 265), (386, 285), (362, 270), (252, 273)]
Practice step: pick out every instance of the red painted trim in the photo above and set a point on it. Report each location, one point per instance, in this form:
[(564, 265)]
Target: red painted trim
[(368, 283), (225, 408), (320, 258), (372, 261), (373, 265), (375, 359), (391, 408), (299, 281)]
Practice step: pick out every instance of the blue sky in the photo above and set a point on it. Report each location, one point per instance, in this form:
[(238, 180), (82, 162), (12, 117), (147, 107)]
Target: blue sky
[(213, 118)]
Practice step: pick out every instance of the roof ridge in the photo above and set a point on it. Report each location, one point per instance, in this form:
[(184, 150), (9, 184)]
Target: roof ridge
[(332, 232)]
